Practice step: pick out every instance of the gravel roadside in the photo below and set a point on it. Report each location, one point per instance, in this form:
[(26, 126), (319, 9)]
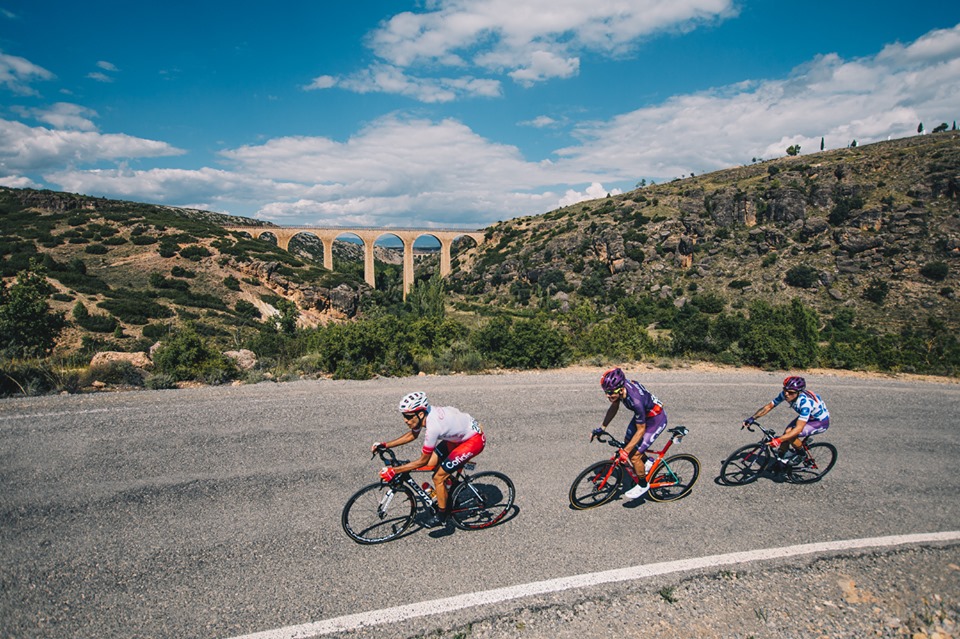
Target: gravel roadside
[(911, 592)]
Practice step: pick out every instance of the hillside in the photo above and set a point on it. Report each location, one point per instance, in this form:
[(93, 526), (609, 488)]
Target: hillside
[(844, 259), (873, 228), (140, 268)]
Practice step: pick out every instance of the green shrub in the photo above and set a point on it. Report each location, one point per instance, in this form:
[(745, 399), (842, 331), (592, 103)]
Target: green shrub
[(143, 240), (185, 356), (802, 276), (877, 291), (194, 252), (117, 373), (231, 283), (936, 271), (95, 249)]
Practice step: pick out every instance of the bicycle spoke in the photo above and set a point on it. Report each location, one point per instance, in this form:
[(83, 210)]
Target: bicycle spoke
[(482, 501), (744, 465), (820, 458), (674, 477), (378, 513), (596, 485)]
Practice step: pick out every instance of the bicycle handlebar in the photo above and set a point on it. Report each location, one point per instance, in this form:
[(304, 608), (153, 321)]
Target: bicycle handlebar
[(679, 432), (769, 432), (387, 456)]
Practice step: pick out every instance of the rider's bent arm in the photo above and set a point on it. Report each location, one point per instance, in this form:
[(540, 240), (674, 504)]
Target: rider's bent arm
[(766, 408), (406, 438), (611, 413)]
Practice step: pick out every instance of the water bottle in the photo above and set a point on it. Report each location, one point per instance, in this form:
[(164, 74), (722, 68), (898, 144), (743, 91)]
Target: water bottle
[(429, 489)]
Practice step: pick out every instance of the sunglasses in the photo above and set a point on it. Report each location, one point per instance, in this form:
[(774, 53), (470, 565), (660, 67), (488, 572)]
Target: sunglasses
[(614, 392), (409, 416)]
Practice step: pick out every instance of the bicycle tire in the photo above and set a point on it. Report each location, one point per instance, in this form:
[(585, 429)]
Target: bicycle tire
[(481, 500), (744, 465), (676, 476), (596, 485), (366, 522), (824, 456)]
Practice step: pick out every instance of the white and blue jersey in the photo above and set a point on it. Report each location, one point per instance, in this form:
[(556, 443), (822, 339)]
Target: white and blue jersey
[(808, 405)]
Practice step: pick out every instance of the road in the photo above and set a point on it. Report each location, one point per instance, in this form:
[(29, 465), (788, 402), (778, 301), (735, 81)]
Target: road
[(215, 512)]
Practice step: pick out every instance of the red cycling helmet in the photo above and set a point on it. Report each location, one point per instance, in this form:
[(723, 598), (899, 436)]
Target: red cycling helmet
[(794, 383), (612, 380)]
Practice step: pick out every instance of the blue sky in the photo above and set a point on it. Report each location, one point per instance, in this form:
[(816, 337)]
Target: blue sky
[(448, 113)]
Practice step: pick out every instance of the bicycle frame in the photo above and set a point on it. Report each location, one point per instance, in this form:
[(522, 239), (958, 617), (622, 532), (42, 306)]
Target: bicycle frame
[(390, 459), (769, 434), (678, 434)]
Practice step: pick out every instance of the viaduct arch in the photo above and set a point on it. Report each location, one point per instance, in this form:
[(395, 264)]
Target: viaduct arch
[(369, 237)]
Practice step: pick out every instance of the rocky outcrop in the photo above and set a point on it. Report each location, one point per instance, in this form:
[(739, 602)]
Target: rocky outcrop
[(339, 302)]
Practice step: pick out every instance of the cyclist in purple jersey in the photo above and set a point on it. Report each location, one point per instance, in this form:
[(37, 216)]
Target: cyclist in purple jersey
[(812, 417), (649, 419)]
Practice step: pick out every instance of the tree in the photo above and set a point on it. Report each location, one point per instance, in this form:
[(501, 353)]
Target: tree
[(821, 144), (941, 127), (920, 128), (28, 327), (793, 150)]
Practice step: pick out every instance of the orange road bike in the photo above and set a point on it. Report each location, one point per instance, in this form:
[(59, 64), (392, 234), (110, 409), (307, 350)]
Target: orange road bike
[(670, 478), (384, 511), (748, 462)]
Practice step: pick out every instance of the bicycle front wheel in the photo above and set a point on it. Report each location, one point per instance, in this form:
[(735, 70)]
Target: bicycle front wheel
[(744, 465), (596, 485), (378, 513), (481, 500), (820, 459), (674, 477)]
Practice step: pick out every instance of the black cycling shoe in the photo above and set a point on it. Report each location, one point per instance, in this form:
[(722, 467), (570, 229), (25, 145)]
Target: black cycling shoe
[(434, 519)]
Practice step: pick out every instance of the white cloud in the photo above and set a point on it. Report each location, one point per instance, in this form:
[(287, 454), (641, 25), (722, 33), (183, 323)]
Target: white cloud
[(24, 149), (535, 40), (321, 82), (539, 122), (867, 99), (63, 115), (99, 77), (384, 78), (19, 182), (17, 73), (107, 66), (592, 192)]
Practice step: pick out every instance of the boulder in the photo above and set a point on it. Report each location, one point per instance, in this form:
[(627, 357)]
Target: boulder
[(137, 360), (243, 358)]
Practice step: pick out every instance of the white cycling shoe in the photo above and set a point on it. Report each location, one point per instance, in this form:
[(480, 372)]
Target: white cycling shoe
[(636, 491)]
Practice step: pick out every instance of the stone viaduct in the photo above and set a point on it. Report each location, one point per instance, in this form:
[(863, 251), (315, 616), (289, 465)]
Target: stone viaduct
[(369, 237)]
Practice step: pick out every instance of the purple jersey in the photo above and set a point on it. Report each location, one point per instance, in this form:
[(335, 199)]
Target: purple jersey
[(642, 402)]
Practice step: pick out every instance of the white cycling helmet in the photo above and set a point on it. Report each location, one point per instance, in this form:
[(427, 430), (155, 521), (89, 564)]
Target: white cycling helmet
[(414, 402)]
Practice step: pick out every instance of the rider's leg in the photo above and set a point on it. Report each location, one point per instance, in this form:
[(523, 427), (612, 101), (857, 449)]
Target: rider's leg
[(453, 462), (652, 427)]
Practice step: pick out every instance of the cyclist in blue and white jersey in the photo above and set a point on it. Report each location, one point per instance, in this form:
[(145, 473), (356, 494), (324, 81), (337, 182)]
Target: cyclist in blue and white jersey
[(649, 419), (812, 416)]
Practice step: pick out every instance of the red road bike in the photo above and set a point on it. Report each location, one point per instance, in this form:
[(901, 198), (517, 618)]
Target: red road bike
[(670, 478)]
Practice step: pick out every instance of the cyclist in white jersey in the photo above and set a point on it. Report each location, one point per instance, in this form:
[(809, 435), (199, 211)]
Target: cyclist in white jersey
[(812, 417), (452, 438)]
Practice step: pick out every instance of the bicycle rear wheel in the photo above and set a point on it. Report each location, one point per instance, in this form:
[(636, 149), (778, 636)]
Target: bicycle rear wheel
[(674, 477), (481, 500), (596, 485), (744, 465), (821, 458), (378, 513)]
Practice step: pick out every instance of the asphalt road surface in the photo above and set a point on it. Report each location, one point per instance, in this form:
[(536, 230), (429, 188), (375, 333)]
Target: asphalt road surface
[(215, 512)]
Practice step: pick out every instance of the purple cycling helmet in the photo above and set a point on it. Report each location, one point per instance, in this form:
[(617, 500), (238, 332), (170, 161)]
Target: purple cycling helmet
[(794, 383), (612, 380)]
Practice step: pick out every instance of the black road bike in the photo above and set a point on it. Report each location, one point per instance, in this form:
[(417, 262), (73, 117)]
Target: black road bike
[(384, 511), (749, 462)]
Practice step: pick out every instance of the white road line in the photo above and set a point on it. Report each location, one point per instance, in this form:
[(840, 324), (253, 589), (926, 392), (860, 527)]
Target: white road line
[(470, 600)]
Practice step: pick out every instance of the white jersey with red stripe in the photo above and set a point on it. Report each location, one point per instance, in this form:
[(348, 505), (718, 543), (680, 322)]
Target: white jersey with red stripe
[(446, 423)]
